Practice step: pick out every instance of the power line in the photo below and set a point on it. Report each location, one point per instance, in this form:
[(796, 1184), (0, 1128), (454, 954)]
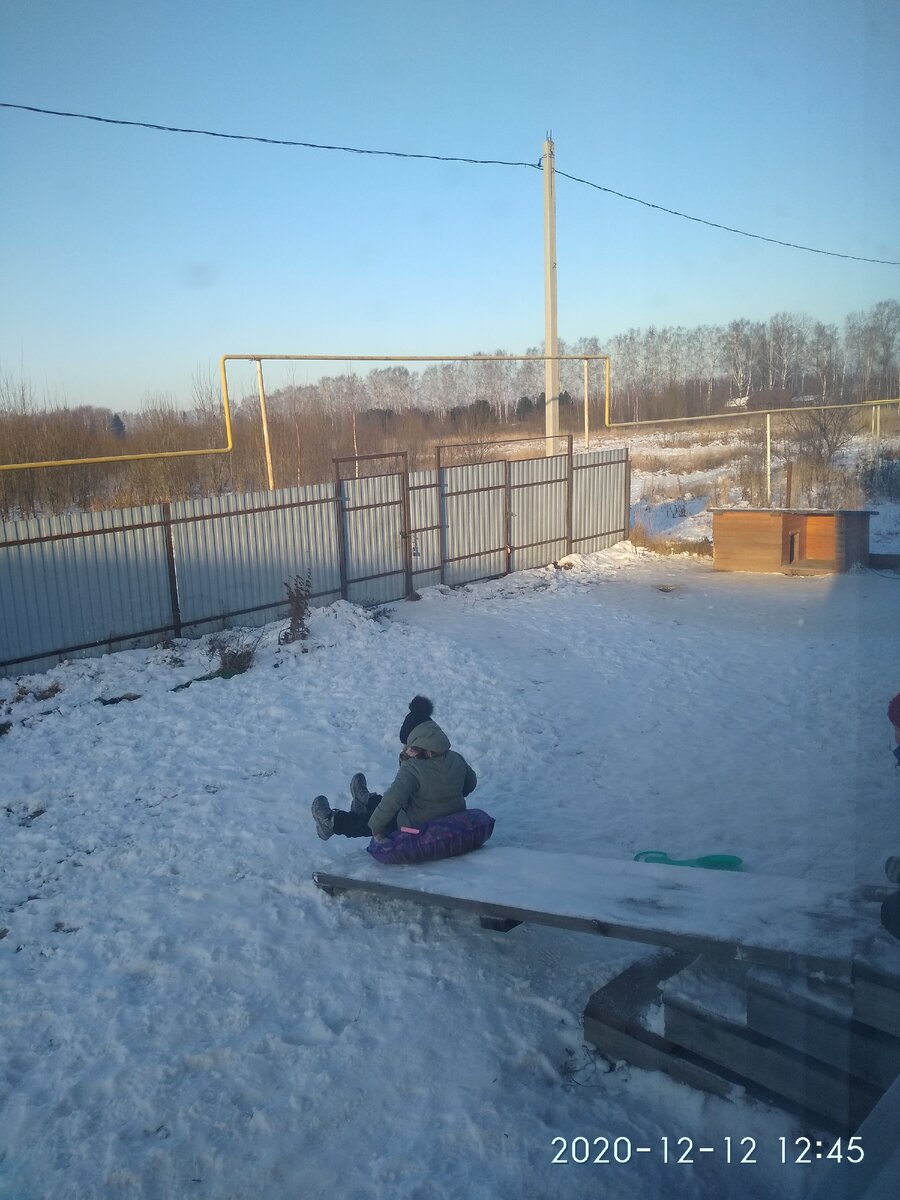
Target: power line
[(885, 262), (481, 162), (246, 137)]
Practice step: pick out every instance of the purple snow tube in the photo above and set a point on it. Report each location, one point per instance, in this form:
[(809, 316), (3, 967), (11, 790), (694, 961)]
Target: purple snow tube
[(448, 836)]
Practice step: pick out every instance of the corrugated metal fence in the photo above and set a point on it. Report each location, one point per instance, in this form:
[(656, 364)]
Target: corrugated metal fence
[(88, 582)]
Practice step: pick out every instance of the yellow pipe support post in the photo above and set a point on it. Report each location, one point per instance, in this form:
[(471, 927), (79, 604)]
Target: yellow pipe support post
[(587, 427), (606, 420), (606, 381), (265, 424)]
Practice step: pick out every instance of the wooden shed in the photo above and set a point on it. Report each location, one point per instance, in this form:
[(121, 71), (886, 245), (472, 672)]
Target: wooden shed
[(792, 541)]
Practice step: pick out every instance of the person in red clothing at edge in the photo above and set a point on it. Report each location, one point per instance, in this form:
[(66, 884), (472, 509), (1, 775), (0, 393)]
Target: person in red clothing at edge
[(432, 782), (890, 910)]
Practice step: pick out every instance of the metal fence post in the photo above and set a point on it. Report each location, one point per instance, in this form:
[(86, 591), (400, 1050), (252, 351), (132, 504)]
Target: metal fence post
[(341, 535), (507, 525), (442, 513), (173, 574), (406, 533), (570, 482)]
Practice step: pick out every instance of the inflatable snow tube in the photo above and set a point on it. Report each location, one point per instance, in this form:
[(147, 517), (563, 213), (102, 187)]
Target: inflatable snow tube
[(449, 836)]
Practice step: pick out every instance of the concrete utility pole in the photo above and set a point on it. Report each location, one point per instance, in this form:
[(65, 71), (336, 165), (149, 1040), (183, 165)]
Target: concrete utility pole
[(551, 340)]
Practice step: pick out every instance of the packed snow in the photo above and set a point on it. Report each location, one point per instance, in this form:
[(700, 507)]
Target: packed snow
[(184, 1014)]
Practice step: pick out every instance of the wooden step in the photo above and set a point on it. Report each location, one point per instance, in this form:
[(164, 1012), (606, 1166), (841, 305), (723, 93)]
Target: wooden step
[(816, 1018), (618, 1023), (705, 1009), (622, 1021)]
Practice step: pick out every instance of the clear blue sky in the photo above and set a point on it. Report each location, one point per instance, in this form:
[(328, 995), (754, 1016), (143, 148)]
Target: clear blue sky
[(131, 258)]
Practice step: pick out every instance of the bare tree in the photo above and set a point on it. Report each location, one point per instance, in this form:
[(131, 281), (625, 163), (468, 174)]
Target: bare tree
[(737, 351), (785, 338), (826, 361), (826, 432), (885, 320), (859, 342)]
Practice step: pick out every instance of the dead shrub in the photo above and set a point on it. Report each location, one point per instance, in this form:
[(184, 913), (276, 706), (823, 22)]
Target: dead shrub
[(685, 462), (298, 591), (816, 485), (235, 650), (879, 474), (751, 479), (642, 538)]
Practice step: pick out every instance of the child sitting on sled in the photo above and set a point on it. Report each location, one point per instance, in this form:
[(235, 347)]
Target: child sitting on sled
[(432, 782), (890, 910)]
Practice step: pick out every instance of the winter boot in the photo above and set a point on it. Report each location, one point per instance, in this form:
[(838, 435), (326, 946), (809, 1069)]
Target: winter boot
[(323, 817), (360, 792)]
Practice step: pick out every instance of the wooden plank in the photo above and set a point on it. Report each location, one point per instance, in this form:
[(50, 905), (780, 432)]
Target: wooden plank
[(747, 541), (634, 989), (821, 1032), (876, 984), (752, 918), (819, 1088), (878, 961), (612, 1025), (820, 537), (623, 1041), (876, 1006)]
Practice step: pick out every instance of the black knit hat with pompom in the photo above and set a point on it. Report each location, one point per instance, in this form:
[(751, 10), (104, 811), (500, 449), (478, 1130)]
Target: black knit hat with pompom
[(420, 709)]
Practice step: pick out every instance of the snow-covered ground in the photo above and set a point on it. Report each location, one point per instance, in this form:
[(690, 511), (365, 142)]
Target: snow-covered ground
[(184, 1014)]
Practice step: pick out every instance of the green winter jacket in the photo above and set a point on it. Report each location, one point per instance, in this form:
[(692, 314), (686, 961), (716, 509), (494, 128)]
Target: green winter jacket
[(425, 788)]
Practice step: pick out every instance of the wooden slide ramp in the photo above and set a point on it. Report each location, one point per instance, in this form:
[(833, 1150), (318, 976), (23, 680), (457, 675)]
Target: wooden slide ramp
[(782, 986), (753, 918)]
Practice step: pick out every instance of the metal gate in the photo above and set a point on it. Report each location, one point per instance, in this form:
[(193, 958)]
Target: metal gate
[(374, 532)]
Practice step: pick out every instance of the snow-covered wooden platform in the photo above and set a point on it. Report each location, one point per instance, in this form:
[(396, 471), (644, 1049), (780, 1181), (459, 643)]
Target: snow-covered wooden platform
[(781, 986), (759, 919)]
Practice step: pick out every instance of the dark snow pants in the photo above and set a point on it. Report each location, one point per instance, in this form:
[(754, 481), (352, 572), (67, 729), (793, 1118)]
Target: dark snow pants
[(352, 824)]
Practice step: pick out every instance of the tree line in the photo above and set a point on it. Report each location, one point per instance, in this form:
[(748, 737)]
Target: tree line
[(656, 373), (661, 372)]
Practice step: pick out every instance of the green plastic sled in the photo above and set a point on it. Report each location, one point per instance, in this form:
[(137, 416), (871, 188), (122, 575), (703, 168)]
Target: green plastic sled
[(712, 862)]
